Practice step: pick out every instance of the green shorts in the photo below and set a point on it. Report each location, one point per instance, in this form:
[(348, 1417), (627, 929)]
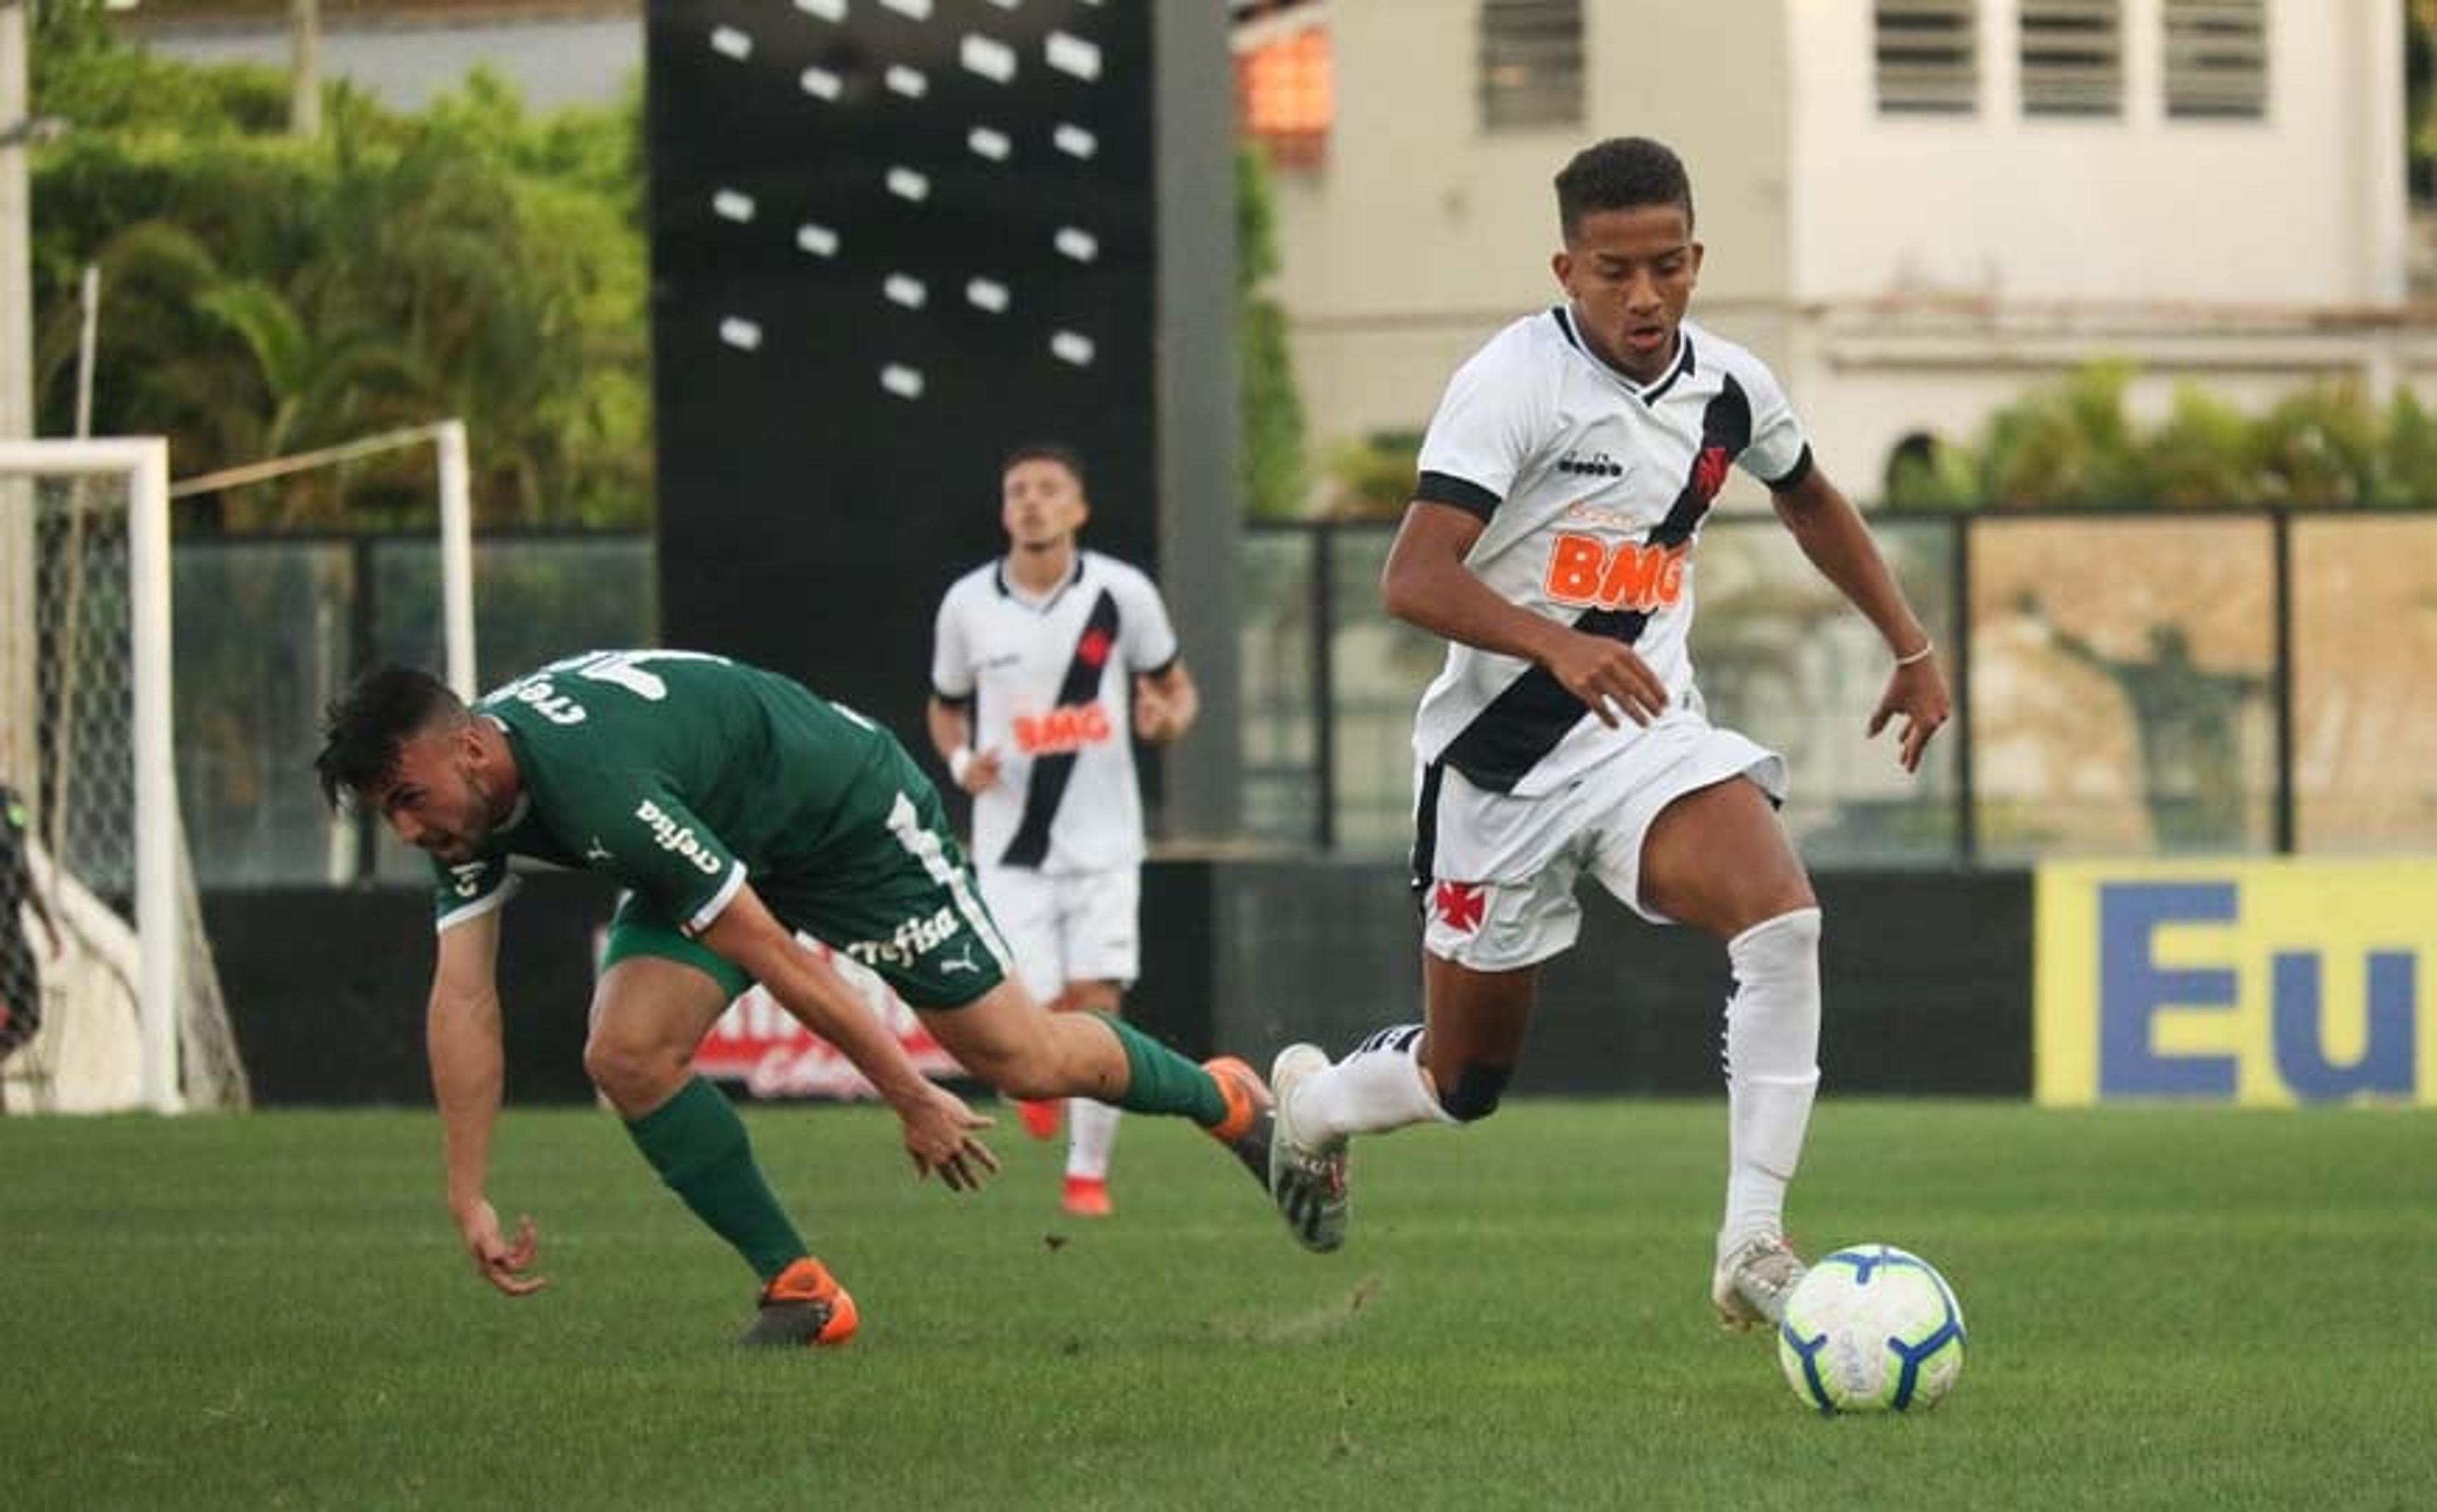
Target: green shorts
[(912, 914)]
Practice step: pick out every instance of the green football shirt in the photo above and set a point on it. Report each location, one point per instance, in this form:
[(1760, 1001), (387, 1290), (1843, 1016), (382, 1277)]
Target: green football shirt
[(681, 775)]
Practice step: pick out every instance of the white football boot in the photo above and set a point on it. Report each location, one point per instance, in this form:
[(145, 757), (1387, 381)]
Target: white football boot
[(1751, 1284), (1306, 1179)]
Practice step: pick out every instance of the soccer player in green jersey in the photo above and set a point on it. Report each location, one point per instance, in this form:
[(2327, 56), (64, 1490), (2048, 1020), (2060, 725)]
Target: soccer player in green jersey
[(736, 806)]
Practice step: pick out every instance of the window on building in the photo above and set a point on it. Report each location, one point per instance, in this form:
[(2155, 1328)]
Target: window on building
[(2216, 59), (1285, 96), (1531, 65), (2073, 56), (1928, 55)]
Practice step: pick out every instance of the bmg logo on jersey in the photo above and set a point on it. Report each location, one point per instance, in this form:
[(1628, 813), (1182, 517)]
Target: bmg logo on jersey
[(670, 835), (1068, 727), (1584, 572), (2271, 984)]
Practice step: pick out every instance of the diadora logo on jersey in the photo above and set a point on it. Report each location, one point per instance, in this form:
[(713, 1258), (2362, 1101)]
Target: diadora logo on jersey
[(1069, 728), (1584, 572), (1591, 464), (912, 938), (1460, 904), (670, 835), (1709, 471), (467, 878)]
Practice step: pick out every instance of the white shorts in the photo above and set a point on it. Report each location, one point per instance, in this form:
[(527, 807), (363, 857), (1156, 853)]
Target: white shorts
[(1500, 871), (1072, 926)]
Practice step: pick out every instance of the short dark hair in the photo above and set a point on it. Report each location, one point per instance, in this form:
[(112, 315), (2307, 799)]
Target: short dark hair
[(1044, 451), (361, 731), (1622, 173)]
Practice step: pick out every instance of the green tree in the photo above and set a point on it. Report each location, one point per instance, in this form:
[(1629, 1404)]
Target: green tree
[(2420, 120), (2069, 443), (262, 295), (2065, 443), (2203, 454), (1275, 476)]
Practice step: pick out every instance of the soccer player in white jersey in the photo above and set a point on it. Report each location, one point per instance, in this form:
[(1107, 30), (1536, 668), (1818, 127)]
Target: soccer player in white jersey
[(1551, 540), (1033, 664)]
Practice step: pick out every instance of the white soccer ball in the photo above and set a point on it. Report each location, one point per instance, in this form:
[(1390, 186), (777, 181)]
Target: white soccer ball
[(1872, 1328)]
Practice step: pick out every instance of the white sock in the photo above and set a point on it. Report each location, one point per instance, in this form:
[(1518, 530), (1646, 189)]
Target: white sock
[(1091, 1134), (1379, 1085), (1772, 1069)]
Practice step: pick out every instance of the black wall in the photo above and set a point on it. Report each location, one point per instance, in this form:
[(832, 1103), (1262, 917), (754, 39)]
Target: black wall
[(1926, 977), (810, 518), (325, 989), (1928, 981)]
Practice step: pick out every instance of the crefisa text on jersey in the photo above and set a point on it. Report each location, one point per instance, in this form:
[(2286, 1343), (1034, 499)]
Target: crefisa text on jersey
[(914, 937), (670, 835)]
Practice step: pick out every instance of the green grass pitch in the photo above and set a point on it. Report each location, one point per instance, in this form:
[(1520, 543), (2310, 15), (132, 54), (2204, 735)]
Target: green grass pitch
[(2169, 1308)]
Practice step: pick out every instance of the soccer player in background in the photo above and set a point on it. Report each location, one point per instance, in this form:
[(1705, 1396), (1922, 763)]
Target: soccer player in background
[(1032, 664), (21, 971), (737, 807), (1549, 540)]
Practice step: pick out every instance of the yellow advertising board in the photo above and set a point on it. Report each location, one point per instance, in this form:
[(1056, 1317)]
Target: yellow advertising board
[(2269, 983)]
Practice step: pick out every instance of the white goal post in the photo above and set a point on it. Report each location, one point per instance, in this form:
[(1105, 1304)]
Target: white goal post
[(133, 1017), (447, 439), (143, 462)]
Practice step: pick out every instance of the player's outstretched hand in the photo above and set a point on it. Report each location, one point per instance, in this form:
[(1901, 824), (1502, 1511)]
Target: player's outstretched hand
[(1609, 677), (1152, 712), (501, 1262), (940, 1134), (1158, 717), (981, 773), (1918, 693)]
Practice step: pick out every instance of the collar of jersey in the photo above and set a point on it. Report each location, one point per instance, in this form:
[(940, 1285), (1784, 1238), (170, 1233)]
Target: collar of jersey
[(1008, 591), (523, 805), (1649, 394)]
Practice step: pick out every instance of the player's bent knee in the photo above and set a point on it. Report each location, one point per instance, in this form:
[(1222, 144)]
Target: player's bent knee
[(1476, 1093), (633, 1078), (1028, 1079), (1793, 931), (1026, 1071)]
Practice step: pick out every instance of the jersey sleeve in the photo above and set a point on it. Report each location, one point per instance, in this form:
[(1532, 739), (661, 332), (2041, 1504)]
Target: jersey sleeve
[(469, 889), (1146, 636), (1780, 453), (656, 845), (1489, 422), (952, 661)]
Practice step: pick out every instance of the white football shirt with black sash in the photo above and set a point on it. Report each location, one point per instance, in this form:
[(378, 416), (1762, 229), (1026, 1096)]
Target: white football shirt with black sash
[(1591, 488), (1047, 683)]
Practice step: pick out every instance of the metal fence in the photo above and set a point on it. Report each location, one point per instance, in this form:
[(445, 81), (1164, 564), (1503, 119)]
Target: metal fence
[(2249, 682), (2229, 682), (268, 629)]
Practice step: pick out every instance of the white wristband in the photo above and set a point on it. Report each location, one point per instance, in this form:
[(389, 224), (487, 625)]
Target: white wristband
[(1921, 655), (958, 759)]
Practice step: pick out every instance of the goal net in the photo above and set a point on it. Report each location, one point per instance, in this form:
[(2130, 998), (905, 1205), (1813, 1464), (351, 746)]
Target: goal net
[(132, 1011)]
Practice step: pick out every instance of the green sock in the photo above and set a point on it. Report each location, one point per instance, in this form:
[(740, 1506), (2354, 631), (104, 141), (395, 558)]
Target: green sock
[(1157, 1080), (697, 1144)]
